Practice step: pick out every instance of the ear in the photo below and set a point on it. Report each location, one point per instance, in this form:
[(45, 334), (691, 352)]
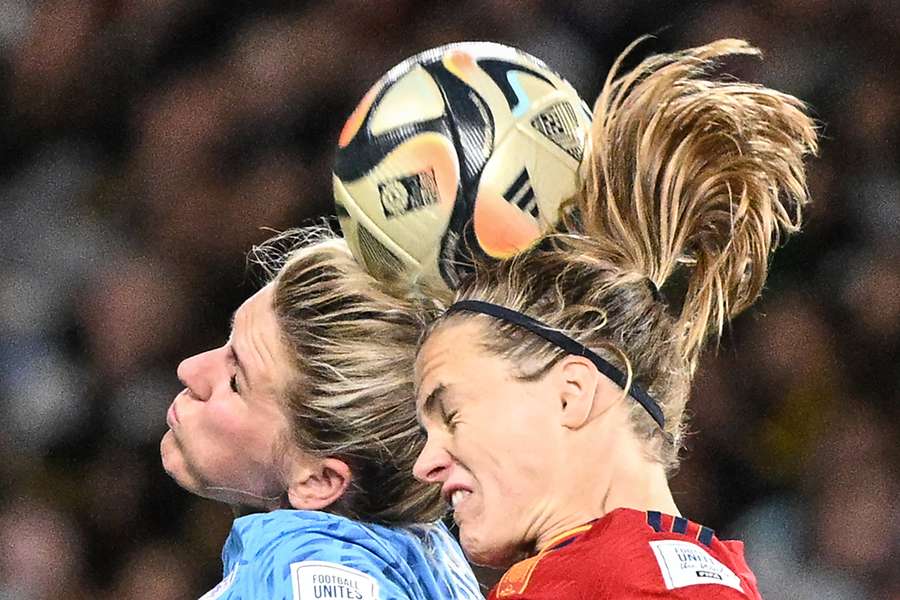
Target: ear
[(578, 381), (318, 484)]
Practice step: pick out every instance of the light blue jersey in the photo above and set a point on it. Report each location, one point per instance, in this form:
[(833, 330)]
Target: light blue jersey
[(309, 555)]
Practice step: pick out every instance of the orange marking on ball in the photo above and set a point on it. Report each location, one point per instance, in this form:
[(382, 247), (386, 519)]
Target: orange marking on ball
[(501, 228), (355, 121), (459, 63)]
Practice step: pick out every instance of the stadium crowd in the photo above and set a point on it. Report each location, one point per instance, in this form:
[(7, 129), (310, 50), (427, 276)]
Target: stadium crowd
[(145, 146)]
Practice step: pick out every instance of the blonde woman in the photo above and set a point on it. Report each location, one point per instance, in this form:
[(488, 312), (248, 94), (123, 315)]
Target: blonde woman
[(553, 390), (305, 419)]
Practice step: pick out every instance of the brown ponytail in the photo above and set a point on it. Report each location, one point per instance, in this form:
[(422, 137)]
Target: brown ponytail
[(692, 173)]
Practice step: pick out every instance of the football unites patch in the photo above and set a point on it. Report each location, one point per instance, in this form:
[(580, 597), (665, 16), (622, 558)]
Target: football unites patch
[(685, 563), (320, 580)]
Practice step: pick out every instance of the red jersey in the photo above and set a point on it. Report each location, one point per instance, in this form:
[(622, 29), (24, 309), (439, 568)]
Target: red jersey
[(630, 554)]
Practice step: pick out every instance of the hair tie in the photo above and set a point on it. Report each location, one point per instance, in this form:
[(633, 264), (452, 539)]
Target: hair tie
[(654, 291)]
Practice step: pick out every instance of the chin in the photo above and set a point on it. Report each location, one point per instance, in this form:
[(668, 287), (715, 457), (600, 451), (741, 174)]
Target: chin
[(173, 463), (495, 554), (165, 453)]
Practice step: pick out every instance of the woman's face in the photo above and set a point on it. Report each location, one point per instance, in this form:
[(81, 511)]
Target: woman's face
[(492, 444), (225, 426)]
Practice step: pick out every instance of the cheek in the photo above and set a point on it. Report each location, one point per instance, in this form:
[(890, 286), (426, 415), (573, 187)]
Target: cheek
[(246, 436), (514, 427), (510, 455), (225, 416), (230, 424), (222, 432)]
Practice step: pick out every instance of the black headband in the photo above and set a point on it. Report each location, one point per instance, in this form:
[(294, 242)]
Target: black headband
[(563, 341)]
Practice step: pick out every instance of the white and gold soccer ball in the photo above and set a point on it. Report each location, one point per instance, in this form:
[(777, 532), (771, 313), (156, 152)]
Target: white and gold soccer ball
[(467, 148)]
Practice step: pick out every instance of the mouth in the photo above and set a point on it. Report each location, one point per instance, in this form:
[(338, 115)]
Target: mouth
[(455, 495)]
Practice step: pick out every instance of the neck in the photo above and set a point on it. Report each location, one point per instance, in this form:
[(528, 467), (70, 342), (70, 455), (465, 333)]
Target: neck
[(638, 483), (625, 478)]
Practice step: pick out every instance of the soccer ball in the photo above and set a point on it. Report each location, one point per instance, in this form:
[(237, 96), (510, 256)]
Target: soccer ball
[(467, 148)]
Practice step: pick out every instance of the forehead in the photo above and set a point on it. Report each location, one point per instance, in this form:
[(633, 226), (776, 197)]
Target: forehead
[(256, 311), (455, 339), (452, 354), (257, 338)]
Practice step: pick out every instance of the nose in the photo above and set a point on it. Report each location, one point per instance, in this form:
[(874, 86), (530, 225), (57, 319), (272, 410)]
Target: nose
[(433, 463), (194, 374)]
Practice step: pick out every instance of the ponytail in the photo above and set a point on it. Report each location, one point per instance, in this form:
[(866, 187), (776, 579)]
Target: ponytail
[(695, 174)]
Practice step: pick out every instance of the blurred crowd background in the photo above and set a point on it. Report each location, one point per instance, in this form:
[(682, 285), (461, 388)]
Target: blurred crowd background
[(146, 144)]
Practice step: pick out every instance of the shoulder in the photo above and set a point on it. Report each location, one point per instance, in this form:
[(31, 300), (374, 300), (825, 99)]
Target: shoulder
[(311, 534), (289, 554), (624, 555)]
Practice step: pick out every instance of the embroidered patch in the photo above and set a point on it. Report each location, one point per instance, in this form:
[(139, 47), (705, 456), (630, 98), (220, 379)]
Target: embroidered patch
[(683, 564), (318, 580), (222, 587)]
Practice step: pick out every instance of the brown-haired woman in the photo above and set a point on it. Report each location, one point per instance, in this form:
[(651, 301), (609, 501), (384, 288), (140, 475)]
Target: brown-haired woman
[(305, 417), (553, 391)]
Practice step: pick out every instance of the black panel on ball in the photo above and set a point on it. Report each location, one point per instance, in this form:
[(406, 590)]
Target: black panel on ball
[(365, 151), (472, 130)]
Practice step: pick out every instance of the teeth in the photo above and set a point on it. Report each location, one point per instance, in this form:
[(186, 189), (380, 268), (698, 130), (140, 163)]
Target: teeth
[(458, 497)]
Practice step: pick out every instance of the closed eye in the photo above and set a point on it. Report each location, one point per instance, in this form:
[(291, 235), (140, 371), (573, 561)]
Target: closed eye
[(450, 420)]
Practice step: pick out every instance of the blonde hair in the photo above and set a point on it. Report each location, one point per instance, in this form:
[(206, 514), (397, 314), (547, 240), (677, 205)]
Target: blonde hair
[(690, 183), (353, 341)]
